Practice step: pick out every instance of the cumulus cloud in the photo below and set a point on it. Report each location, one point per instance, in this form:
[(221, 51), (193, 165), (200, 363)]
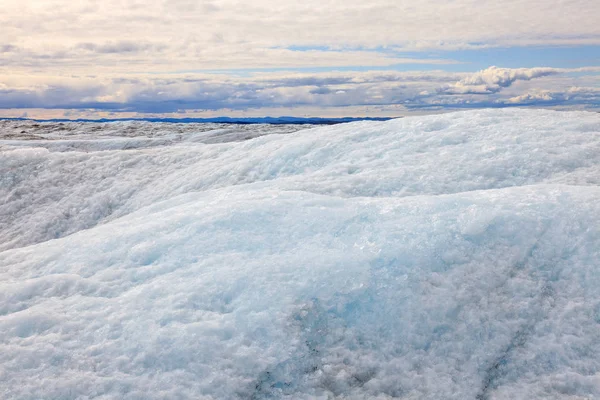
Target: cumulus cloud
[(168, 93), (503, 87), (494, 79), (321, 91), (573, 96), (149, 55), (582, 92), (531, 98)]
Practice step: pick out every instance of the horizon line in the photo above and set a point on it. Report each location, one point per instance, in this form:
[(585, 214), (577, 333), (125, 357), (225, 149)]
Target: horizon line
[(282, 120)]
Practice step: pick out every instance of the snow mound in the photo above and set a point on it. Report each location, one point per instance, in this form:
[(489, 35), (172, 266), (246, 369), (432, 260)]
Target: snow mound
[(444, 257)]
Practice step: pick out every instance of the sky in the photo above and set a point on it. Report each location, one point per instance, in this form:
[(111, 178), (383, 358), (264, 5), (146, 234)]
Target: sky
[(329, 58)]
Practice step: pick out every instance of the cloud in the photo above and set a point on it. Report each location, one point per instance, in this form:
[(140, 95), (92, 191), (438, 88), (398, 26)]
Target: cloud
[(134, 56), (582, 92), (228, 34), (494, 79), (123, 46), (503, 87), (126, 57), (531, 98), (321, 91), (7, 48), (572, 97), (168, 93)]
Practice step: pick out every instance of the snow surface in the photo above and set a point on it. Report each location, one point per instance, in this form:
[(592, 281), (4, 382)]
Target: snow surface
[(454, 256)]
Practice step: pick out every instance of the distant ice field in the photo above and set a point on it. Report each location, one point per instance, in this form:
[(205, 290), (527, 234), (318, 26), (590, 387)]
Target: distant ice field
[(452, 256)]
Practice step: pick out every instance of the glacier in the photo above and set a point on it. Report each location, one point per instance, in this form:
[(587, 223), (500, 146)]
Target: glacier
[(451, 256)]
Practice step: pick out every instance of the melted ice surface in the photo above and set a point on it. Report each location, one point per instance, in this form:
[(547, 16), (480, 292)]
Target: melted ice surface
[(454, 256)]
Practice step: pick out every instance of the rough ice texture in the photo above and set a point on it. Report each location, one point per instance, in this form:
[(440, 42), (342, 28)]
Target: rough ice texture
[(443, 257)]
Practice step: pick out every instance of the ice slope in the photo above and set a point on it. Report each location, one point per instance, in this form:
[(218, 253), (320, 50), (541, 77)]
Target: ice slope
[(62, 182), (442, 257), (58, 178)]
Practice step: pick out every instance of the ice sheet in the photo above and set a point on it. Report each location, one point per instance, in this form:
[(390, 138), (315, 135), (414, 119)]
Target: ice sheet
[(443, 257)]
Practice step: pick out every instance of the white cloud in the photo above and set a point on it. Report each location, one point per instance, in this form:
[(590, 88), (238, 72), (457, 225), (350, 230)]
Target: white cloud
[(140, 56), (323, 93), (493, 79), (152, 93), (128, 57), (527, 98), (574, 96), (175, 35), (583, 91)]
